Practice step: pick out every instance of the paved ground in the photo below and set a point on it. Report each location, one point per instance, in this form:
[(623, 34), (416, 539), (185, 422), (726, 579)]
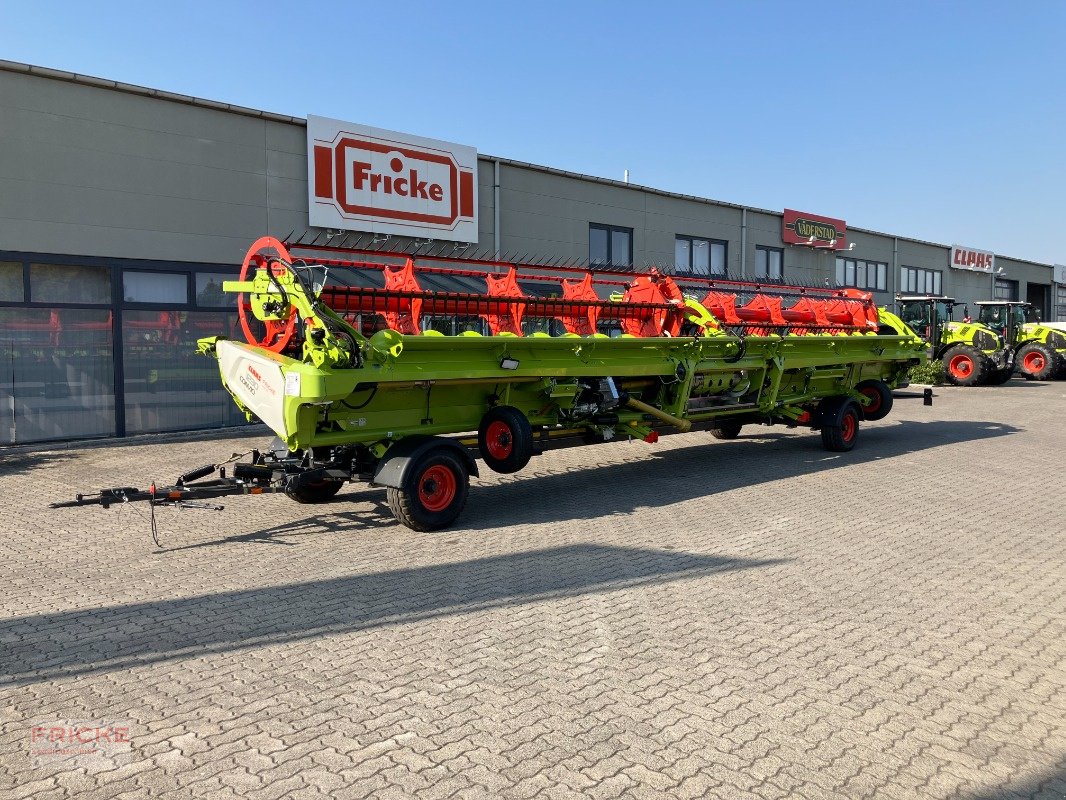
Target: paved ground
[(755, 618)]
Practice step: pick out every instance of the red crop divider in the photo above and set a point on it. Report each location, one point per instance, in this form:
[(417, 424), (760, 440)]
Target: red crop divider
[(406, 315), (508, 318), (765, 309), (809, 315), (723, 306), (868, 308), (655, 290), (581, 320)]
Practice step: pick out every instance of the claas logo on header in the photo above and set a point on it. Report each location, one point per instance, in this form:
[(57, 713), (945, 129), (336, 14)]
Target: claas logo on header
[(390, 181)]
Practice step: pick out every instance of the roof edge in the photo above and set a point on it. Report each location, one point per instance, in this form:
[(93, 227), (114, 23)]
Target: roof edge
[(144, 91), (215, 105)]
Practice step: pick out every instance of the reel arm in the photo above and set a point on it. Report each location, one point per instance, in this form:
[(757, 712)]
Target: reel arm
[(279, 297)]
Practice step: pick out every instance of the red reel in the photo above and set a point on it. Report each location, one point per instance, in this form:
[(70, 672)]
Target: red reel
[(278, 332)]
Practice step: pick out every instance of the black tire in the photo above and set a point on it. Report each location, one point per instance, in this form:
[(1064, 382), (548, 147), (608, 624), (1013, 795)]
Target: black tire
[(434, 492), (840, 424), (998, 377), (966, 366), (505, 439), (1038, 362), (311, 492), (880, 399), (726, 429)]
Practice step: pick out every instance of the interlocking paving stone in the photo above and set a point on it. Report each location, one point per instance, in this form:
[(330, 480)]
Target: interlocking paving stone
[(755, 618)]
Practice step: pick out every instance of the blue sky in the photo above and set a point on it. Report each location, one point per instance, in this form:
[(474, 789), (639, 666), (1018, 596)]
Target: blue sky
[(941, 121)]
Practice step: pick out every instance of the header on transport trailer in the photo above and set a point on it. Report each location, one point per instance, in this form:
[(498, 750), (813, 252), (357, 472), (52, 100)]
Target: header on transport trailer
[(402, 369)]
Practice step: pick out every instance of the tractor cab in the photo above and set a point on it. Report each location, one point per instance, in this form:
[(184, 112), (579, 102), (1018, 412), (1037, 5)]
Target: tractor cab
[(1006, 317), (926, 315)]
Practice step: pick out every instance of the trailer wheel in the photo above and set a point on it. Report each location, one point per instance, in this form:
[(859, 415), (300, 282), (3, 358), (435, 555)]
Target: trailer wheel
[(840, 426), (726, 429), (314, 491), (966, 366), (505, 439), (434, 492), (880, 400), (1038, 362)]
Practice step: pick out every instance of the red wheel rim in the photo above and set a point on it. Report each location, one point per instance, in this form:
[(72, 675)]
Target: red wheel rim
[(278, 333), (1033, 362), (875, 399), (961, 366), (437, 488), (847, 427), (498, 440)]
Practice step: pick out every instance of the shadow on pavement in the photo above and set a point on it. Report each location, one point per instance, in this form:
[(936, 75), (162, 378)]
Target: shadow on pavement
[(333, 521), (666, 477), (1051, 784), (20, 462), (50, 646), (659, 478)]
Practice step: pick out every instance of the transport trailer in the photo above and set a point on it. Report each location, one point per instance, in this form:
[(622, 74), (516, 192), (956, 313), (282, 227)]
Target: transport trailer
[(408, 373)]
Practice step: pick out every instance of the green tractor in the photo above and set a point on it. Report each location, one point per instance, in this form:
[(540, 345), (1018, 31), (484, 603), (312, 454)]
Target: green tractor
[(1039, 347), (973, 354)]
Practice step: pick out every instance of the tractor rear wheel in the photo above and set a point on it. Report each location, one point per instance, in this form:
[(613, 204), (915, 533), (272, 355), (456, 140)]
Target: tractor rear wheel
[(505, 439), (880, 400), (1038, 362), (840, 424), (433, 492), (966, 366), (726, 429)]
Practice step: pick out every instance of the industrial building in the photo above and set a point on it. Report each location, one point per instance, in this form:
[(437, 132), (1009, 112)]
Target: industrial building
[(123, 208)]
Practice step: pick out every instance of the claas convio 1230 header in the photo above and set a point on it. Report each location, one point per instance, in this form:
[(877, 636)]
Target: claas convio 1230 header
[(406, 371)]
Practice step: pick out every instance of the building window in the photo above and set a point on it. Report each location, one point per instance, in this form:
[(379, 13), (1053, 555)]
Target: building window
[(1006, 289), (64, 283), (11, 286), (769, 262), (155, 287), (610, 245), (209, 289), (166, 385), (872, 275), (59, 373), (696, 256), (920, 281)]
